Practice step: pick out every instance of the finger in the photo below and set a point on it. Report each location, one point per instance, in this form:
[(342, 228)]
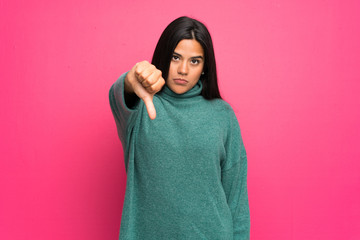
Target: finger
[(156, 87), (152, 78), (144, 70), (150, 107), (139, 68)]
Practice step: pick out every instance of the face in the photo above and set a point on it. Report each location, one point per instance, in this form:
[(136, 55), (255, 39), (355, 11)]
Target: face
[(186, 66)]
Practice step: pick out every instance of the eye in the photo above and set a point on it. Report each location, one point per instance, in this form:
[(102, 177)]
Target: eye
[(175, 58), (195, 61)]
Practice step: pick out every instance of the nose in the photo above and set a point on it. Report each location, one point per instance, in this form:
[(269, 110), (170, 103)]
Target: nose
[(183, 68)]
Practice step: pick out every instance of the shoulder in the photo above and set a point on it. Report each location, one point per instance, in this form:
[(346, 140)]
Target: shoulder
[(223, 107), (223, 111)]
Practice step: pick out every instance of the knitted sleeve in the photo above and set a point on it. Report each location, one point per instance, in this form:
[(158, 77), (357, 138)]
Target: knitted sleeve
[(234, 181), (123, 114)]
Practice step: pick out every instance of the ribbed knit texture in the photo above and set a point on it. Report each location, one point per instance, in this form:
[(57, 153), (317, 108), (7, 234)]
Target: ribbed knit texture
[(186, 170)]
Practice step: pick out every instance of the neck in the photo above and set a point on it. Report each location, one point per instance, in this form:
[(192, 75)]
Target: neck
[(193, 92)]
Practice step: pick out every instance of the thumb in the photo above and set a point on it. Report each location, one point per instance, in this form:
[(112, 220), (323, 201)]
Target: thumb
[(148, 100)]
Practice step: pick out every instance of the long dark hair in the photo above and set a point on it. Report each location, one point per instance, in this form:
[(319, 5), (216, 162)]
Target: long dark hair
[(188, 28)]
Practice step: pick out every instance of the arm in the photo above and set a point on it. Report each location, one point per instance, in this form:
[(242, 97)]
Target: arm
[(123, 105), (234, 181)]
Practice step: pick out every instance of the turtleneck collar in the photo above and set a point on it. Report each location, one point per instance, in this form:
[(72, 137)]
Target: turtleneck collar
[(195, 91)]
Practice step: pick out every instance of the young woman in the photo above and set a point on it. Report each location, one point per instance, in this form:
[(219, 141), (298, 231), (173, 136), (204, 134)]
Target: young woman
[(185, 159)]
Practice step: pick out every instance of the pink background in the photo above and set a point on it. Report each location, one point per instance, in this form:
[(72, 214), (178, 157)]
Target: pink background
[(290, 69)]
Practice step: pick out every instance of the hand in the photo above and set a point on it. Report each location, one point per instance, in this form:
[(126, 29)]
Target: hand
[(144, 79)]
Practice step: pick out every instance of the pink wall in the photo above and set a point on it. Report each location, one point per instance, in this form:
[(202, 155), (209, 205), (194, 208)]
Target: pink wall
[(290, 69)]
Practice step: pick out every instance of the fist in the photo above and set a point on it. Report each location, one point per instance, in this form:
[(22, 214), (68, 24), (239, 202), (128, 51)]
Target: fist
[(145, 80), (149, 76)]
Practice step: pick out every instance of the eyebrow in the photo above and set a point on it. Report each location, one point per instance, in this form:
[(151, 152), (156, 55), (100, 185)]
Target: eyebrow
[(191, 57)]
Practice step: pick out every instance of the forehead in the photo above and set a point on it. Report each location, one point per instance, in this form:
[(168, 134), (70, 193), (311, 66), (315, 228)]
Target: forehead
[(189, 47)]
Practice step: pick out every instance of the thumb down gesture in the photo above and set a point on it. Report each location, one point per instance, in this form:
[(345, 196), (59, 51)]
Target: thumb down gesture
[(145, 80)]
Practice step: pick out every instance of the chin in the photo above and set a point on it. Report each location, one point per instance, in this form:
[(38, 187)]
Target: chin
[(178, 90)]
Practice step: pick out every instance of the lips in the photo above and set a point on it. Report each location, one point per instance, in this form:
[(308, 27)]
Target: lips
[(180, 81)]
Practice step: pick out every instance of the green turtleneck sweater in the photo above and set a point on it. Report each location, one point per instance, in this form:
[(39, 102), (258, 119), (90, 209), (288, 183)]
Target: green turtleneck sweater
[(186, 169)]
